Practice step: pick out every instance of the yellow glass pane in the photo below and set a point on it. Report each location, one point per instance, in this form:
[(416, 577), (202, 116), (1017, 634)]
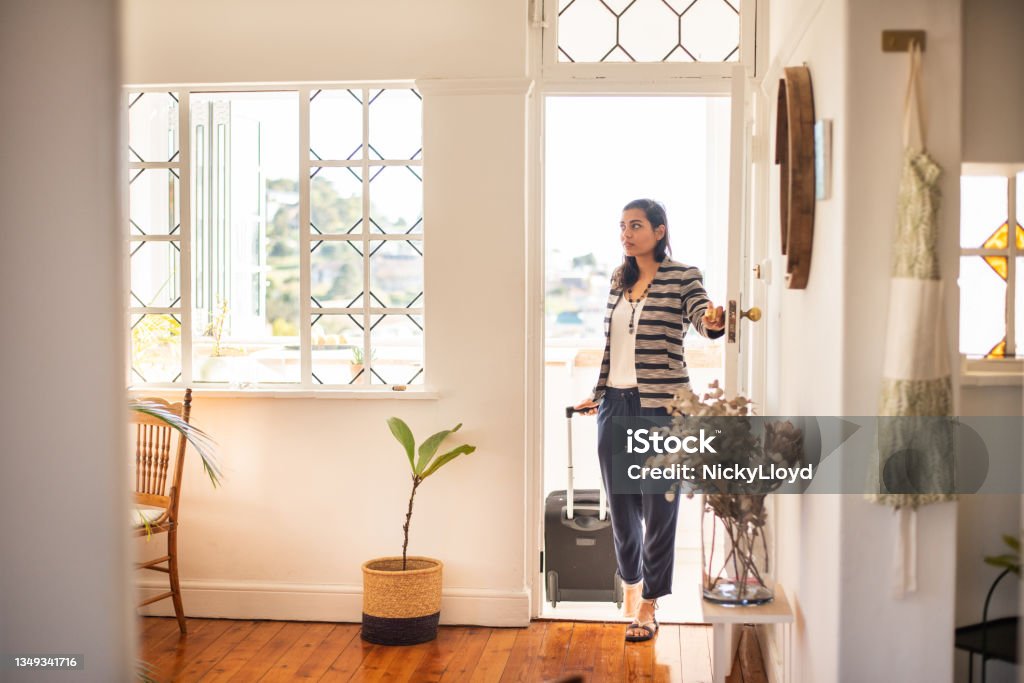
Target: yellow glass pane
[(999, 238), (998, 264), (997, 351), (996, 240)]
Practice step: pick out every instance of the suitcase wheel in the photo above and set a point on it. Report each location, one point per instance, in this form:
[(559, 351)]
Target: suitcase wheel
[(619, 591), (552, 578)]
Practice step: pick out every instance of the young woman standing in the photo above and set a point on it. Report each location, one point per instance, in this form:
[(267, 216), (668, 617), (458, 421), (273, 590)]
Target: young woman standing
[(651, 304)]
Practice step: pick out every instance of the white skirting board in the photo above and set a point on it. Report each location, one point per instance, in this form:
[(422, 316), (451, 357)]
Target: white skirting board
[(324, 602)]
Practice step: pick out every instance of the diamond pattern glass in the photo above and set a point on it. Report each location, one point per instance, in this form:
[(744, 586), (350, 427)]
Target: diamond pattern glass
[(648, 31), (982, 307), (709, 31), (153, 126), (396, 129), (337, 342), (1018, 313), (396, 200), (396, 273), (586, 31), (153, 201), (335, 124), (336, 277), (156, 348), (154, 274), (336, 201), (982, 208), (398, 349)]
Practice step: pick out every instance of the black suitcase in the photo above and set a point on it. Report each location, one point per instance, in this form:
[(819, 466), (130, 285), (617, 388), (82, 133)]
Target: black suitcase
[(579, 552)]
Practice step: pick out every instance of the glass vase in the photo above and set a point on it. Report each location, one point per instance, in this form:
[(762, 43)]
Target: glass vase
[(734, 549)]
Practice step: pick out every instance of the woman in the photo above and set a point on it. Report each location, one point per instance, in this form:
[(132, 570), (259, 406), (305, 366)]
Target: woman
[(652, 302)]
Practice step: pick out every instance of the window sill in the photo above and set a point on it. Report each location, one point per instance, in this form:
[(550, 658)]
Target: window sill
[(991, 372), (413, 393)]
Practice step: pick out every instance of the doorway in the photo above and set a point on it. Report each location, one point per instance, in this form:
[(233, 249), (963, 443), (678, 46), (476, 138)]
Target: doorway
[(600, 152)]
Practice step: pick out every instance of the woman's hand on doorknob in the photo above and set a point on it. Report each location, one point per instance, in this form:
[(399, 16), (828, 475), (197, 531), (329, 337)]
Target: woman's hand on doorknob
[(714, 317)]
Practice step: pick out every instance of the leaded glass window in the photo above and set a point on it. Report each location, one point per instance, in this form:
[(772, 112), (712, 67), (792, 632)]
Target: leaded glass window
[(991, 259), (267, 265), (601, 31)]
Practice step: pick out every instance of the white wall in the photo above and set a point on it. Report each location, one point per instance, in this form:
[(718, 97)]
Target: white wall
[(993, 96), (190, 41), (916, 640), (805, 369), (835, 551), (315, 487), (64, 580)]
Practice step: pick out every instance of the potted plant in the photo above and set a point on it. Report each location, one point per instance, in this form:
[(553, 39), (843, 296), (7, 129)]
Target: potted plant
[(357, 362), (225, 363), (402, 594)]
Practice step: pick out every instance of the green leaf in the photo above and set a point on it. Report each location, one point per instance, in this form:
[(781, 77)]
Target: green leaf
[(429, 447), (1012, 541), (404, 436), (1007, 561), (448, 457), (145, 523)]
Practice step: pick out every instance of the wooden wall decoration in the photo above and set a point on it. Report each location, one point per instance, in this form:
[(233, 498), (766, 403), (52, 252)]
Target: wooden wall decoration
[(794, 152)]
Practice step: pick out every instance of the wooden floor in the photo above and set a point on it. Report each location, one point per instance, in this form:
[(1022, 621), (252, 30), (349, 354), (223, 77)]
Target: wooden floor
[(223, 650)]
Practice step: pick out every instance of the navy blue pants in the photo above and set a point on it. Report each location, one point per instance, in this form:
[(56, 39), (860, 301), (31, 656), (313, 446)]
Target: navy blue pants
[(643, 552)]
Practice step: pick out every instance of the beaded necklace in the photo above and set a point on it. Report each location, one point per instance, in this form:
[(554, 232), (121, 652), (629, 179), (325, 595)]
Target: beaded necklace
[(632, 304)]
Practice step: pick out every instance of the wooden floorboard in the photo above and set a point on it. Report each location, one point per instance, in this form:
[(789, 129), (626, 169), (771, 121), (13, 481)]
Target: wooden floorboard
[(544, 651)]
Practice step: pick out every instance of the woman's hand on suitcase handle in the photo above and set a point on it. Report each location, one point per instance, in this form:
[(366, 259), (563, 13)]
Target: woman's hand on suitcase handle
[(586, 407)]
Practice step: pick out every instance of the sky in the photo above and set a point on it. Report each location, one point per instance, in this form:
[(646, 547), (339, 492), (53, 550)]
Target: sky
[(602, 152)]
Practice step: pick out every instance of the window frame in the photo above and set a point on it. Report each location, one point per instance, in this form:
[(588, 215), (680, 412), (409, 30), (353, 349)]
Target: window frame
[(182, 163), (1007, 370)]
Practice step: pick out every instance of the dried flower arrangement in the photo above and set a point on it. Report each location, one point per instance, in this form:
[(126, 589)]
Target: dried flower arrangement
[(739, 505)]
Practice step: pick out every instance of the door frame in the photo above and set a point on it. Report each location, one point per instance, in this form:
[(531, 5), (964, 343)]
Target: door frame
[(752, 207)]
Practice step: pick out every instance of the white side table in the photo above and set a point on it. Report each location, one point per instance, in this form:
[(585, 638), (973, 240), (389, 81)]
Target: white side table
[(726, 619)]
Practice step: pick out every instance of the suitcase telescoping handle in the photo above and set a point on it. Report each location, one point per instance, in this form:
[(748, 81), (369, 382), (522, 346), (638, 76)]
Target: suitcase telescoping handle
[(569, 497)]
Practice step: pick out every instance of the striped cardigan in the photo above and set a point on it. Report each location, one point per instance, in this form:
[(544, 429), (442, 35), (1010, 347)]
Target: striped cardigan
[(675, 300)]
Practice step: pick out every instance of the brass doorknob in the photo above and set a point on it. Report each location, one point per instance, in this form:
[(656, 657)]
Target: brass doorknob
[(753, 313)]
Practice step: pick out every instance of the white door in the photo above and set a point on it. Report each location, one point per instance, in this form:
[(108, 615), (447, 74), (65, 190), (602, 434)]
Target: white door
[(743, 359)]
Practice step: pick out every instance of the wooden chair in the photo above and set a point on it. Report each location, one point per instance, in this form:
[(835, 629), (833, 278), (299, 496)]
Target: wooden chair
[(154, 503)]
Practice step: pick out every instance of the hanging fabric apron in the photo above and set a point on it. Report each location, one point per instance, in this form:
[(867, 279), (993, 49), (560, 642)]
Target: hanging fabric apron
[(916, 378)]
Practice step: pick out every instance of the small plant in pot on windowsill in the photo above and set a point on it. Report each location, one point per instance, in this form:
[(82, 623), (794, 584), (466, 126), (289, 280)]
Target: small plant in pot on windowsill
[(402, 594)]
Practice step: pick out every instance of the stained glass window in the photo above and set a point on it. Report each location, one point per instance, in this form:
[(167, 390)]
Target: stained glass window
[(991, 306)]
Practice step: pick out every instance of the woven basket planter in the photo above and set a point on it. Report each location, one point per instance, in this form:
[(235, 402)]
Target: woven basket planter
[(401, 607)]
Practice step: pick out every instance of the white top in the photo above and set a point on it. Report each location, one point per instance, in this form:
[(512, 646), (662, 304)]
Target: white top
[(622, 366)]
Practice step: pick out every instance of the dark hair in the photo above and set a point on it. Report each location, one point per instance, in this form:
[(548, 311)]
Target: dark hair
[(628, 272)]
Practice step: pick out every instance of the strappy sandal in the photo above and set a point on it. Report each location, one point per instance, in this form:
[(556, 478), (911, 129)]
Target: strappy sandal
[(647, 626)]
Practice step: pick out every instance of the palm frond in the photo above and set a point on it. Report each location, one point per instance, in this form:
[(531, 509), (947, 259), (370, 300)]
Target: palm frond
[(203, 443), (145, 671)]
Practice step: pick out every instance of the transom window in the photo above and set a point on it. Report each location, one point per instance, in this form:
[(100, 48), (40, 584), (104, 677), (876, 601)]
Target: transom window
[(648, 30), (271, 266), (667, 37), (991, 262)]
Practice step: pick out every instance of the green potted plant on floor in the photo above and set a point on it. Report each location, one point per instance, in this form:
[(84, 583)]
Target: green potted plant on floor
[(402, 594)]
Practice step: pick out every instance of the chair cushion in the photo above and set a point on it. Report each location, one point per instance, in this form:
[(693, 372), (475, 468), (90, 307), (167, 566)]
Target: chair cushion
[(149, 514)]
